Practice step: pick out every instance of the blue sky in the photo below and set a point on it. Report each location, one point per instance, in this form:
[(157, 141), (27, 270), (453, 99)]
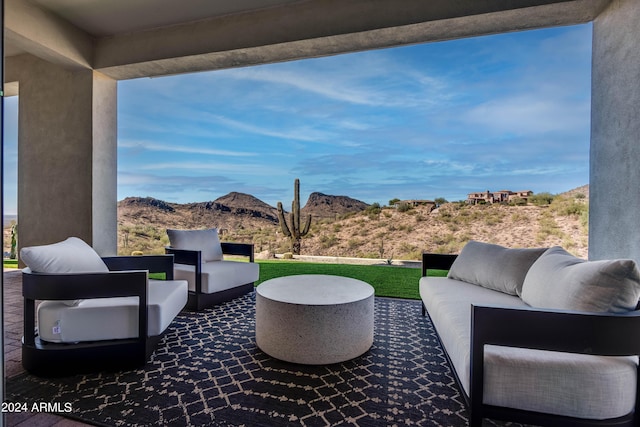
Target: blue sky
[(444, 119)]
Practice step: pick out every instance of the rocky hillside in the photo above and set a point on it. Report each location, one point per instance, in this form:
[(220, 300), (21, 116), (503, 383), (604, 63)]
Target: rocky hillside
[(142, 221), (343, 226), (346, 227), (324, 206)]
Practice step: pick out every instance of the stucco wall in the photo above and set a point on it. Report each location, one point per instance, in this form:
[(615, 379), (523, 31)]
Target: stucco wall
[(66, 154), (614, 218)]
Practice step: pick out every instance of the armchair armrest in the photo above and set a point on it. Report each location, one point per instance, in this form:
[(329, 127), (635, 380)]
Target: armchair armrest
[(188, 257), (39, 286), (184, 256), (152, 263), (602, 334), (437, 262), (245, 249)]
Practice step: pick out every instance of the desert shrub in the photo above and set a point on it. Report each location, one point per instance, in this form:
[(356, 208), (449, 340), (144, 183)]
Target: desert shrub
[(337, 227), (440, 201), (415, 255), (328, 240), (444, 215), (405, 227), (518, 217), (373, 210), (404, 207), (548, 227), (580, 196), (444, 239), (492, 220), (370, 255), (569, 207), (584, 220), (518, 201), (406, 247), (541, 199), (354, 243)]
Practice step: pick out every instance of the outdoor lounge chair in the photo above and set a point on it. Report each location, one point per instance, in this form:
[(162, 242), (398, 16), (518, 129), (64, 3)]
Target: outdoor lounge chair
[(96, 313), (199, 259)]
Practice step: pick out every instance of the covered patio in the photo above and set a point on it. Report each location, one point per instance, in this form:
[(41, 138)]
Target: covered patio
[(208, 371), (64, 63)]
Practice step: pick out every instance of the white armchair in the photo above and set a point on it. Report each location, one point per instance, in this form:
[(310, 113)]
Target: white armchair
[(96, 313), (199, 259)]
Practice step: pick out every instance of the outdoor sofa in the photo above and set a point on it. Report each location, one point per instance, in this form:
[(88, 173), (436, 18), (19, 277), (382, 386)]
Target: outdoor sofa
[(199, 259), (95, 313), (538, 336)]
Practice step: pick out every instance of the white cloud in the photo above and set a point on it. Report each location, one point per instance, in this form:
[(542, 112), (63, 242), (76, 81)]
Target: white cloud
[(257, 169), (530, 114), (308, 134), (190, 149)]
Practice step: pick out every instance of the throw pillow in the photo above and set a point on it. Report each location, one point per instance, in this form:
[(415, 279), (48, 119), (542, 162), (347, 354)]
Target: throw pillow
[(206, 241), (558, 280), (493, 266), (69, 256)]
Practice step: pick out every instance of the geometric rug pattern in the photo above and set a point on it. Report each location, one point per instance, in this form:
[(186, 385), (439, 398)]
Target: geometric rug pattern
[(207, 371)]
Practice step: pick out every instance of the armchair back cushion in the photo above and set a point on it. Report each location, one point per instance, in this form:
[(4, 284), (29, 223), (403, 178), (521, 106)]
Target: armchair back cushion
[(206, 241), (69, 256), (493, 266), (558, 280)]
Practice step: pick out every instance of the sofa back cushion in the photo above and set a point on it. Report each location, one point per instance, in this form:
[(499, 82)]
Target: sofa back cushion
[(206, 241), (69, 256), (558, 280), (493, 266)]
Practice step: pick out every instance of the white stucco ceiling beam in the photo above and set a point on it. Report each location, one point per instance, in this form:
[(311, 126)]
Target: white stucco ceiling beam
[(323, 27), (31, 29)]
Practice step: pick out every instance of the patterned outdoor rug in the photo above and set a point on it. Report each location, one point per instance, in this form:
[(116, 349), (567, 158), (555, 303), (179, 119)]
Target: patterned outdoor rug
[(208, 371)]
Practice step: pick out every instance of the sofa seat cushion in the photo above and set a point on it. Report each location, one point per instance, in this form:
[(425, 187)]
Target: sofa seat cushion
[(218, 275), (573, 385), (577, 385), (111, 318)]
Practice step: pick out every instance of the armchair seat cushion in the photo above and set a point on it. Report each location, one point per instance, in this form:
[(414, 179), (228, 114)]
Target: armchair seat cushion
[(575, 385), (111, 318), (218, 275)]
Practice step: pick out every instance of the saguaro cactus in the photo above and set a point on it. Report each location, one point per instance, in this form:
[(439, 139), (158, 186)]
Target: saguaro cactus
[(293, 230), (14, 241)]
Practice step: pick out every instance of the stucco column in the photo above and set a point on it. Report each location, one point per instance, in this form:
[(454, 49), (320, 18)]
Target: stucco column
[(614, 217), (67, 138)]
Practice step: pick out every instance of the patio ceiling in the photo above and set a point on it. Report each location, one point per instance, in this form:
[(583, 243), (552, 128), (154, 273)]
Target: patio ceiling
[(140, 38)]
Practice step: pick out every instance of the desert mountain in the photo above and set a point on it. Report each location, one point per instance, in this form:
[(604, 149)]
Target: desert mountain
[(324, 206), (232, 211), (378, 233)]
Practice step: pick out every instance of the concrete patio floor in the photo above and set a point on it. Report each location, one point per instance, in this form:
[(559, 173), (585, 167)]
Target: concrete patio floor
[(13, 315)]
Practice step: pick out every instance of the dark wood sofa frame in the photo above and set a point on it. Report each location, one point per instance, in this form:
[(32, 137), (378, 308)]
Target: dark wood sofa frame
[(127, 277), (554, 330), (197, 299)]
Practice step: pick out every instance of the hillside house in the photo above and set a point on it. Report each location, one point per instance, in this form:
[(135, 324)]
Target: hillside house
[(501, 196)]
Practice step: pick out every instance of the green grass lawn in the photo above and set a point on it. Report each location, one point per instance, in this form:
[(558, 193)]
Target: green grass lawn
[(387, 281), (10, 263)]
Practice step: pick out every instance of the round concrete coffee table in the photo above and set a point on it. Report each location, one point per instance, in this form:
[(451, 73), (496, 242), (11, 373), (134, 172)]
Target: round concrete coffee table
[(314, 319)]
